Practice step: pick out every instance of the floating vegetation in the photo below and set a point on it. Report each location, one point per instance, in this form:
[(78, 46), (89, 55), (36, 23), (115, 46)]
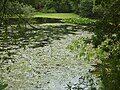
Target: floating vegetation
[(40, 58)]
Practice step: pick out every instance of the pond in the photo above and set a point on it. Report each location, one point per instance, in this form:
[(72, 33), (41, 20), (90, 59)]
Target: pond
[(37, 59)]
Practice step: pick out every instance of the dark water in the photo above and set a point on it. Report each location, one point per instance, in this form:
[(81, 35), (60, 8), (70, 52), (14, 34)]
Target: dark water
[(33, 20), (17, 37)]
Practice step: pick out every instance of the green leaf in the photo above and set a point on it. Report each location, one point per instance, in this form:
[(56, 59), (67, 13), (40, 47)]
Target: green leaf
[(3, 86)]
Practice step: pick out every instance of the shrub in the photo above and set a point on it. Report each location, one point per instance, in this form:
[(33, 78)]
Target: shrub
[(13, 8), (51, 10), (85, 8), (3, 86)]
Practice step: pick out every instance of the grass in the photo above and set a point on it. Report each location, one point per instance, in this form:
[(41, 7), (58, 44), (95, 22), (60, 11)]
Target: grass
[(55, 15), (66, 17)]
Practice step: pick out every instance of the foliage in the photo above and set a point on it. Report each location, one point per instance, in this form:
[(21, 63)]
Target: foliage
[(107, 32), (81, 7), (75, 5), (51, 10), (3, 86), (27, 10), (110, 70), (106, 44), (14, 8), (85, 8), (98, 11), (85, 50), (108, 39), (105, 57), (63, 6), (82, 21)]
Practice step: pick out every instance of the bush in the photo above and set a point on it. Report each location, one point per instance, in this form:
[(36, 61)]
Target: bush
[(3, 86), (85, 8), (13, 8), (51, 10)]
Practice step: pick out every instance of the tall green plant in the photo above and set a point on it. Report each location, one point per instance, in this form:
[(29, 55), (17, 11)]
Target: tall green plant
[(108, 34)]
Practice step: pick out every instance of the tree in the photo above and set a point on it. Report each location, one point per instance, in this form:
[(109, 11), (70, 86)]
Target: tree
[(75, 5), (108, 35), (86, 7), (62, 6)]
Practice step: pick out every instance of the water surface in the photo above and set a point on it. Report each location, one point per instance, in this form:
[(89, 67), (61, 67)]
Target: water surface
[(37, 59)]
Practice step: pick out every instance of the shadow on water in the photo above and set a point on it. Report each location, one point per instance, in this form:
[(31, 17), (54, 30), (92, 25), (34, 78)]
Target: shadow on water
[(18, 36), (36, 20), (21, 36), (46, 20)]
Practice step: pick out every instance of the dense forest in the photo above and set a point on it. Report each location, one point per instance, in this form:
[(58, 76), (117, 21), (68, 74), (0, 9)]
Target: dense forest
[(101, 17)]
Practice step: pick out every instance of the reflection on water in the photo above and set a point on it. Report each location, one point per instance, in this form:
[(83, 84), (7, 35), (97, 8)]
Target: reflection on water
[(34, 20), (15, 38), (41, 60)]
